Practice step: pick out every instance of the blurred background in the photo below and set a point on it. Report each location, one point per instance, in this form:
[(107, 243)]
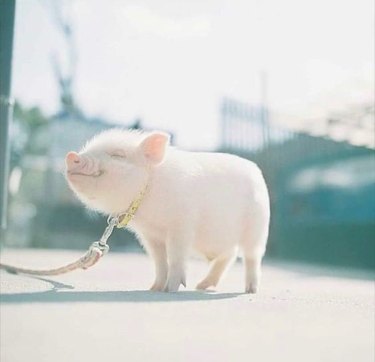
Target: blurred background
[(287, 84)]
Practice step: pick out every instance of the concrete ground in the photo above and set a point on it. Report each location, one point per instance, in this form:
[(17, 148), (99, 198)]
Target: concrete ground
[(104, 314)]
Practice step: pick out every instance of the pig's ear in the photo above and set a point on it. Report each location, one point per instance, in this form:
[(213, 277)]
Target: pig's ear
[(154, 146)]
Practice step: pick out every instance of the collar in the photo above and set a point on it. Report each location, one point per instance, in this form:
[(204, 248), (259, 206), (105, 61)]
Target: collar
[(128, 215)]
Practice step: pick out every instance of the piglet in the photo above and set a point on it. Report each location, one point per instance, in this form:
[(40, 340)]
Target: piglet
[(214, 203)]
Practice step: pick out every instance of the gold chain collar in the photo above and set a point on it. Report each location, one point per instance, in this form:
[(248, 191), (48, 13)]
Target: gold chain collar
[(128, 215)]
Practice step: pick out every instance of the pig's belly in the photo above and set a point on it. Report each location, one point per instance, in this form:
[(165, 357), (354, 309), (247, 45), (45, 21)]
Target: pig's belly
[(224, 216), (217, 235), (213, 239)]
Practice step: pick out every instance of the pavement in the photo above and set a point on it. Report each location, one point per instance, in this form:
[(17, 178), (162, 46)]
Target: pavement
[(301, 313)]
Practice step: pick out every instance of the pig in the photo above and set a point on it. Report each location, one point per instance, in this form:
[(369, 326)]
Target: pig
[(214, 203)]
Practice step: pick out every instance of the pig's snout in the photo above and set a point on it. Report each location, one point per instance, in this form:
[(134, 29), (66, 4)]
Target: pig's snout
[(72, 158), (73, 161), (81, 165)]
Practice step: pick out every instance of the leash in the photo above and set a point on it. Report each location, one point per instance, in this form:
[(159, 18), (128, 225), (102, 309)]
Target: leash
[(96, 250)]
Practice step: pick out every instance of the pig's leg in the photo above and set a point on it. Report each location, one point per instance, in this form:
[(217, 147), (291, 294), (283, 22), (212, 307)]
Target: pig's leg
[(219, 265), (178, 243), (252, 273), (159, 254), (254, 246)]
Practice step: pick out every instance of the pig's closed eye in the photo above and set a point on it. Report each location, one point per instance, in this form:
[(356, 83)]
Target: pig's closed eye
[(118, 155)]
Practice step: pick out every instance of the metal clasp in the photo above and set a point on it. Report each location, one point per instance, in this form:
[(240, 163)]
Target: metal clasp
[(112, 221)]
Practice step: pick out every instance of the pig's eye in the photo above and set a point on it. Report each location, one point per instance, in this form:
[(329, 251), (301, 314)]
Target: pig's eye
[(117, 155)]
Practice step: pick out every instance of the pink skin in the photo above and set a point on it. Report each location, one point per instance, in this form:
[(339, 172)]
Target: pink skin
[(107, 175), (81, 165), (82, 172), (103, 180)]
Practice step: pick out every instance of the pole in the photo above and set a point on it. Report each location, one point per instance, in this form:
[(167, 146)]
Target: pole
[(264, 107), (7, 12)]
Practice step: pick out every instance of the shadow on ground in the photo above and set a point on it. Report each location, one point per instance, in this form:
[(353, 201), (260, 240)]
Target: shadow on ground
[(57, 295), (54, 296)]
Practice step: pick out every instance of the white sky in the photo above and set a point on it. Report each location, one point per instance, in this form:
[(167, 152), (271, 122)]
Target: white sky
[(170, 62)]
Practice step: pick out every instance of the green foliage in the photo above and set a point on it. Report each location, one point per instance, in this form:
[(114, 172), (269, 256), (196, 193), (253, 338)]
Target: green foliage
[(33, 122), (32, 118)]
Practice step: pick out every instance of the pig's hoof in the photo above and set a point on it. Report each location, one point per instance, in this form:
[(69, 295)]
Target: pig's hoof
[(204, 284), (157, 287), (252, 289), (174, 283), (171, 287)]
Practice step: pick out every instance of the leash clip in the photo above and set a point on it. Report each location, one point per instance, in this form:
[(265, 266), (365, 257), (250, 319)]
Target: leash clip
[(102, 245)]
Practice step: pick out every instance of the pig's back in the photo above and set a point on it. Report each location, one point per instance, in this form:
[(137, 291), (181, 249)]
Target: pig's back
[(216, 181), (228, 176)]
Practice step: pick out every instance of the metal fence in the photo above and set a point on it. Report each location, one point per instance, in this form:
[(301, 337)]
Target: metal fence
[(322, 191)]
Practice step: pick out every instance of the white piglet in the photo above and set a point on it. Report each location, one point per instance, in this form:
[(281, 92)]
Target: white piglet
[(212, 202)]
